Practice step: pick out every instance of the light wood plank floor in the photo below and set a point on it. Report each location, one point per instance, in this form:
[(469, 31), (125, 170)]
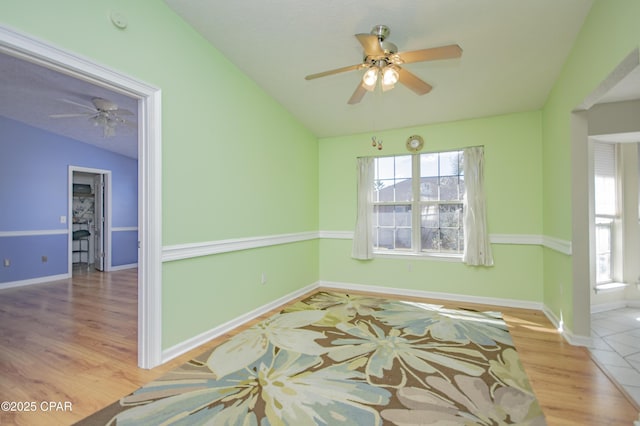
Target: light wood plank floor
[(75, 341)]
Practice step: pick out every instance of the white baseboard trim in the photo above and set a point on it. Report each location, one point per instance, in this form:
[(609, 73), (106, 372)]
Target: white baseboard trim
[(603, 307), (122, 267), (511, 303), (202, 338), (572, 339), (619, 304), (33, 281)]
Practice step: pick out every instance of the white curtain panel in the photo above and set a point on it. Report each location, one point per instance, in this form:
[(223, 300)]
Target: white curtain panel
[(362, 238), (477, 249)]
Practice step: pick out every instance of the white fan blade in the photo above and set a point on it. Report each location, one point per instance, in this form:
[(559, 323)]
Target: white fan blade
[(84, 114), (360, 91), (79, 104)]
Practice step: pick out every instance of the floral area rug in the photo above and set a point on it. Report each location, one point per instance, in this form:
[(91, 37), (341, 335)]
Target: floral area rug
[(339, 359)]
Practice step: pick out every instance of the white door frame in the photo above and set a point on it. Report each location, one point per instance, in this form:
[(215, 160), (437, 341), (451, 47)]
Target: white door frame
[(107, 213), (36, 51)]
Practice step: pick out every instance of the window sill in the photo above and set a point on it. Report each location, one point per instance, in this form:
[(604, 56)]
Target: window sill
[(441, 257), (609, 287)]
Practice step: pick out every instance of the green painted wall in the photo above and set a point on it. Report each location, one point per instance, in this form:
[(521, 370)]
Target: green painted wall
[(235, 163), (609, 34), (513, 179)]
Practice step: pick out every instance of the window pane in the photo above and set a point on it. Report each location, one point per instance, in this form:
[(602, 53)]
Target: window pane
[(605, 195), (385, 168), (403, 167), (429, 188), (449, 240), (603, 250), (392, 181), (449, 188), (428, 165), (430, 239), (403, 216), (385, 239), (449, 163), (604, 157), (450, 215), (404, 190), (441, 228), (392, 227), (403, 238), (384, 215), (383, 190), (429, 217), (603, 268)]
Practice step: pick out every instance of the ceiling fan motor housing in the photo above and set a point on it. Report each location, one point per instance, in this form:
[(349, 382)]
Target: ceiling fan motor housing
[(382, 31)]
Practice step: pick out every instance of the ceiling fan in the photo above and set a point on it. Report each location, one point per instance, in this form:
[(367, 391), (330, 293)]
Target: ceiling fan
[(103, 113), (382, 61)]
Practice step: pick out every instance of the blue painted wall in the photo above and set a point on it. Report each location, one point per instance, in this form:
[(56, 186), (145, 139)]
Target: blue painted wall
[(34, 167)]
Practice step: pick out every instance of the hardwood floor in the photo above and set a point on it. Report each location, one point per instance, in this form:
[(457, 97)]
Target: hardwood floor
[(73, 343)]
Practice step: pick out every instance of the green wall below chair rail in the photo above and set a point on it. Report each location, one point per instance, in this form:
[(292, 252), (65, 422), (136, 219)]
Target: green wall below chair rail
[(202, 293), (517, 274)]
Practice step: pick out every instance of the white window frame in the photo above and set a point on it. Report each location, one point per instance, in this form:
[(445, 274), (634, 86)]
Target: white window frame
[(416, 207), (612, 222)]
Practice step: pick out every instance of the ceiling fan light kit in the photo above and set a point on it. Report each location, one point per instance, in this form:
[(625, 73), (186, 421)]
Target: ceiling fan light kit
[(104, 114), (382, 62)]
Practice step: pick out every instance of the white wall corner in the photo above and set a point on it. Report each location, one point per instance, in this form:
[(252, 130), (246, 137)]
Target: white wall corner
[(567, 334), (562, 246)]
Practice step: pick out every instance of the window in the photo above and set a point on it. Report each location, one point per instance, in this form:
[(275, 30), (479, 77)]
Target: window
[(418, 203), (606, 210)]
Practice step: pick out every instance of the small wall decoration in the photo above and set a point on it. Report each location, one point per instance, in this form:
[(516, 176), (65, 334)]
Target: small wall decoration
[(415, 143), (376, 143)]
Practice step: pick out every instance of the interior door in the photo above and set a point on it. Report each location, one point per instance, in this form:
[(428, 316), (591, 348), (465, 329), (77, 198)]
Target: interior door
[(98, 182)]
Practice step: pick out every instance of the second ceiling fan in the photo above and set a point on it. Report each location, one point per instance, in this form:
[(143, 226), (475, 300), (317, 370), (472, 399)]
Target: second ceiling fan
[(382, 61)]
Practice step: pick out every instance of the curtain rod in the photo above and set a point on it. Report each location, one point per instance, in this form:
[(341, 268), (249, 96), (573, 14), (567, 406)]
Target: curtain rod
[(422, 152)]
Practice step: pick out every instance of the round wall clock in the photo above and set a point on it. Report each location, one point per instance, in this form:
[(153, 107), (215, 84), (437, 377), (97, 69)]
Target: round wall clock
[(415, 143)]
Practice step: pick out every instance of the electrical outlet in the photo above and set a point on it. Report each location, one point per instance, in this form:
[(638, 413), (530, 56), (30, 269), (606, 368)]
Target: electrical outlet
[(263, 278), (63, 219), (7, 263), (44, 259)]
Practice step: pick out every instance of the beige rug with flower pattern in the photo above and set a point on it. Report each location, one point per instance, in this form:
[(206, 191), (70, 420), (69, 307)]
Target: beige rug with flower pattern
[(339, 359)]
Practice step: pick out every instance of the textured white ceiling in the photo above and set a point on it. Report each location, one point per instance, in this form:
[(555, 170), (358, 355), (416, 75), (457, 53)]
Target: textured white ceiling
[(31, 93), (513, 51)]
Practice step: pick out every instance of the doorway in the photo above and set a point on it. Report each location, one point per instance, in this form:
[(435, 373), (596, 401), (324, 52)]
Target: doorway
[(90, 224), (148, 99)]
